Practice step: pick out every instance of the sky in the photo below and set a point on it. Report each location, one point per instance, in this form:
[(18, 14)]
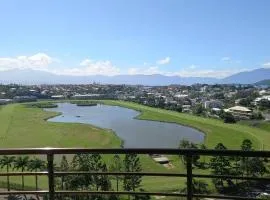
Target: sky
[(208, 38)]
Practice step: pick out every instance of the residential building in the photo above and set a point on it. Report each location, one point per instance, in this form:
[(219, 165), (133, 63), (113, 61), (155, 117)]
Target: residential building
[(5, 101), (239, 112), (24, 98)]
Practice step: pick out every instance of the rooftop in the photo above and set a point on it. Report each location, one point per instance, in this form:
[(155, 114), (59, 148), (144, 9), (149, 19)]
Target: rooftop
[(239, 108)]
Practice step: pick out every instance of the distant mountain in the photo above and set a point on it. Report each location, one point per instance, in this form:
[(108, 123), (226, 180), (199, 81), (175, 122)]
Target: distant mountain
[(157, 79), (41, 77), (248, 77), (263, 83)]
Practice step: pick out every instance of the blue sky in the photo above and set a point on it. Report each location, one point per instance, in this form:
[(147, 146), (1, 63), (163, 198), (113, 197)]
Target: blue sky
[(209, 38)]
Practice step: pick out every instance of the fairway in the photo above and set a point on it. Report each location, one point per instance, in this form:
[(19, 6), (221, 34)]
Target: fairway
[(27, 127)]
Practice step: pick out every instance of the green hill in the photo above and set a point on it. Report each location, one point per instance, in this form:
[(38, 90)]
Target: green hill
[(263, 82)]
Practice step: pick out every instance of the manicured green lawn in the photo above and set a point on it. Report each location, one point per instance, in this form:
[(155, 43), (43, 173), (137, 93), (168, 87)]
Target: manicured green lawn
[(263, 125), (27, 127)]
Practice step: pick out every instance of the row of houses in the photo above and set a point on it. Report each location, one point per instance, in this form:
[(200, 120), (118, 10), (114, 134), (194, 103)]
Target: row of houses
[(18, 99)]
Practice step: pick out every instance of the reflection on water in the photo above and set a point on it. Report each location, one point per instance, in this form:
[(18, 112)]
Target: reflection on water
[(135, 133)]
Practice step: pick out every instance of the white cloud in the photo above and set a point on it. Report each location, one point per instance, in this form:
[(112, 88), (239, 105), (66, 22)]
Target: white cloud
[(190, 71), (193, 67), (164, 61), (90, 67), (147, 71), (266, 64), (42, 61), (86, 62), (37, 61), (226, 59)]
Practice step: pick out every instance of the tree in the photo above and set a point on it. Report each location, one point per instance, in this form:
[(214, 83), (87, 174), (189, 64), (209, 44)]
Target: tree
[(228, 118), (257, 115), (203, 147), (21, 163), (116, 166), (219, 95), (89, 162), (245, 102), (6, 161), (179, 108), (185, 144), (35, 165), (198, 109), (236, 169), (264, 104), (253, 165), (64, 166), (246, 145), (132, 164), (220, 165), (198, 187)]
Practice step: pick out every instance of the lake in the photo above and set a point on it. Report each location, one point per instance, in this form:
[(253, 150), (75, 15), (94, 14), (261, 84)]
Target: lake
[(135, 133)]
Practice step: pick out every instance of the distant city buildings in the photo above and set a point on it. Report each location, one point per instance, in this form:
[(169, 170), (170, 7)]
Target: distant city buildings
[(242, 101)]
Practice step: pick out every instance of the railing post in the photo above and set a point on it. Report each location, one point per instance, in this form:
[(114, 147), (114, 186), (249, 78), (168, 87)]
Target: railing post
[(189, 176), (50, 175)]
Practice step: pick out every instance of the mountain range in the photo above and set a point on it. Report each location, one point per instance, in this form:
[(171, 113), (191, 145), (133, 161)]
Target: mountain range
[(28, 76)]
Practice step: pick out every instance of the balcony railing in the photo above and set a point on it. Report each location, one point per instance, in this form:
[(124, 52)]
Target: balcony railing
[(189, 175)]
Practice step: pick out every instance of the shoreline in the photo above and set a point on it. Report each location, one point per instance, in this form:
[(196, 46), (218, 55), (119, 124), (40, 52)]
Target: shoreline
[(97, 127), (214, 130), (136, 117)]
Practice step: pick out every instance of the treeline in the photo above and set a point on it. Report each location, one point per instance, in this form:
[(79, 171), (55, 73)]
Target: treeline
[(94, 182), (43, 105), (84, 103), (22, 163), (227, 166), (223, 166), (91, 182)]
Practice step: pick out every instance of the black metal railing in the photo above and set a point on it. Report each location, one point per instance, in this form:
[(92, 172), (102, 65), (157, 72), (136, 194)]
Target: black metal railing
[(189, 175)]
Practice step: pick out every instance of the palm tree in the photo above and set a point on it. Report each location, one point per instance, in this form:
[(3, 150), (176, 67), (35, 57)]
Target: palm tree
[(35, 165), (6, 161), (21, 163)]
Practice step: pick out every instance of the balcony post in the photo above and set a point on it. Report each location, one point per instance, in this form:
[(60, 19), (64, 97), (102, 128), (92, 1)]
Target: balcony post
[(50, 175), (189, 177)]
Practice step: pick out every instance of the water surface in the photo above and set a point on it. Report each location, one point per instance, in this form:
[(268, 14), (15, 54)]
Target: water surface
[(135, 133)]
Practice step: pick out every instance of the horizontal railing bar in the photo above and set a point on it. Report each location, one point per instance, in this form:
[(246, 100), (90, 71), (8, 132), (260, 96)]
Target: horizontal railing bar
[(39, 192), (163, 174), (232, 177), (209, 152), (135, 174), (120, 193), (42, 192), (121, 173), (24, 174), (224, 197)]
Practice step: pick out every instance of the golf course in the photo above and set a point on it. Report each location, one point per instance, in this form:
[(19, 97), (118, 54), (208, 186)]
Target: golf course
[(24, 126)]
